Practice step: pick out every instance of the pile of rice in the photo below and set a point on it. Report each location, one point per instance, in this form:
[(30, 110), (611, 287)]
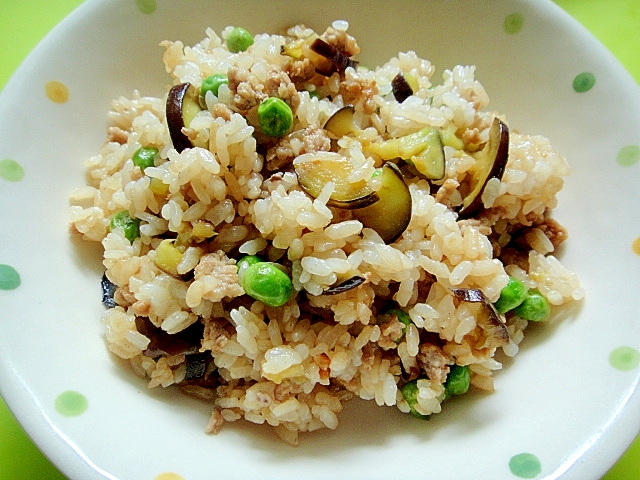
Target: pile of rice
[(294, 366)]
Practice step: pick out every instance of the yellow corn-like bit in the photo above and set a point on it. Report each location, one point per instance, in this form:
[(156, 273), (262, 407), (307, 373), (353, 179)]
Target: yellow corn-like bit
[(202, 230), (157, 187), (168, 256)]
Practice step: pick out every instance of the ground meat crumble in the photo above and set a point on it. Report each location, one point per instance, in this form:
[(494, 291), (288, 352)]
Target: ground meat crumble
[(310, 139)]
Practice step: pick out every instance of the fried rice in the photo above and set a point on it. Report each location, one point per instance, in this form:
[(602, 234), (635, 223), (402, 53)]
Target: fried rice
[(293, 366)]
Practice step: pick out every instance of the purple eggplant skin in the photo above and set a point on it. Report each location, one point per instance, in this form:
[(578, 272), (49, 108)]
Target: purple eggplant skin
[(491, 162), (182, 105), (391, 214), (401, 88), (345, 286)]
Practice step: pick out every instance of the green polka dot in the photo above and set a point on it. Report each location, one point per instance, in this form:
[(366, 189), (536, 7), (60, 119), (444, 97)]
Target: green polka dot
[(525, 465), (584, 82), (624, 358), (11, 170), (146, 6), (629, 155), (71, 403), (513, 23), (9, 278)]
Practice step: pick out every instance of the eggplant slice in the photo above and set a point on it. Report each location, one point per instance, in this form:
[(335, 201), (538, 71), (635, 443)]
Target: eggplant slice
[(183, 104), (491, 323), (490, 163)]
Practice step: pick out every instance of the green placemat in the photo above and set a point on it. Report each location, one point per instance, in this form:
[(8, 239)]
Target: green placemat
[(24, 23)]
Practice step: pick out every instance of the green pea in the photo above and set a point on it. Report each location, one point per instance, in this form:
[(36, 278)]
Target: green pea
[(534, 308), (130, 225), (410, 392), (145, 157), (245, 262), (239, 40), (212, 83), (267, 283), (458, 381), (512, 295), (275, 117)]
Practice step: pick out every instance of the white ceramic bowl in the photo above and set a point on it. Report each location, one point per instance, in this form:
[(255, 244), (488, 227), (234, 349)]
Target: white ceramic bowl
[(567, 406)]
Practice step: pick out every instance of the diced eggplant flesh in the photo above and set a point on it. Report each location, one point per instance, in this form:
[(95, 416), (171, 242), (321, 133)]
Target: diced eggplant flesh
[(387, 210), (431, 162), (183, 104), (423, 149), (315, 170), (490, 163), (403, 147), (391, 214)]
